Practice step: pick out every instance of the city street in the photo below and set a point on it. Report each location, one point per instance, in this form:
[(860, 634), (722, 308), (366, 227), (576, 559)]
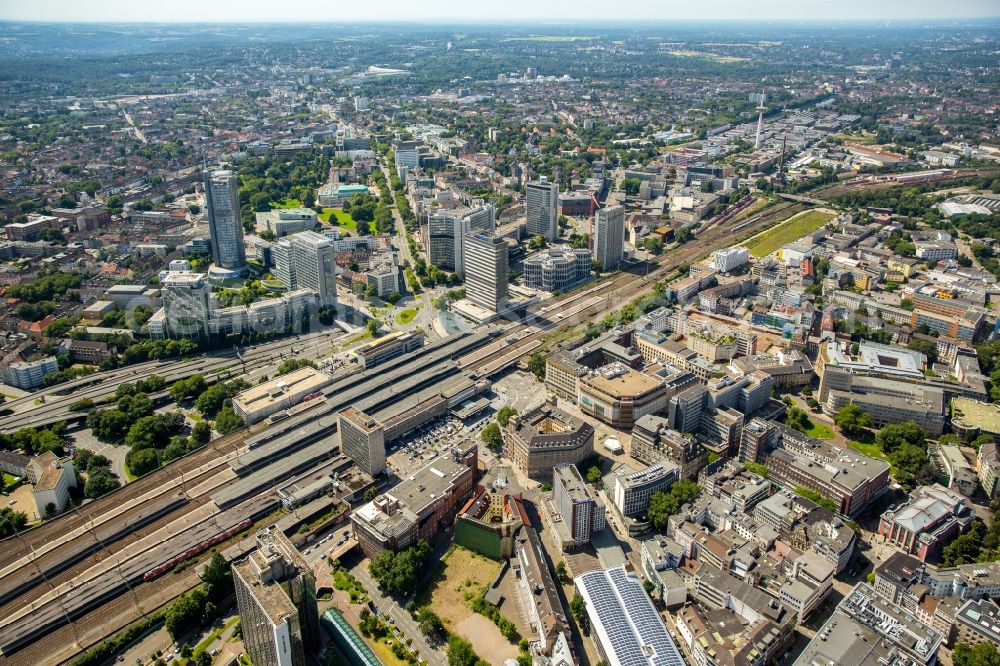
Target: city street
[(399, 616)]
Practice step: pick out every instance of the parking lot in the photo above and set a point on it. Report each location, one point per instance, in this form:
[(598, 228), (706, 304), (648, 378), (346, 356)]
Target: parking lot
[(424, 444)]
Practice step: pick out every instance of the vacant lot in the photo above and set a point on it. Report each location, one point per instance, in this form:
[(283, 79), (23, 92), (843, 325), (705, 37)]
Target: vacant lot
[(463, 576), (791, 230)]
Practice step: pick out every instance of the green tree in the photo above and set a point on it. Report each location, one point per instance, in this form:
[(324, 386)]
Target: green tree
[(186, 612), (796, 418), (218, 578), (894, 435), (503, 416), (578, 608), (926, 347), (853, 420), (11, 522), (293, 364), (190, 387), (430, 624), (201, 434), (662, 505), (594, 475), (99, 484), (227, 421), (536, 364), (460, 653), (142, 461), (398, 572), (491, 436), (984, 654)]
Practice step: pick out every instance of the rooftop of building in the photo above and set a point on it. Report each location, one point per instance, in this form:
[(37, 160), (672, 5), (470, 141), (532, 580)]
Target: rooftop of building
[(393, 512), (927, 506), (625, 621), (983, 617), (569, 478), (621, 381), (277, 390), (901, 569), (976, 414), (631, 477), (181, 278), (549, 426), (869, 630)]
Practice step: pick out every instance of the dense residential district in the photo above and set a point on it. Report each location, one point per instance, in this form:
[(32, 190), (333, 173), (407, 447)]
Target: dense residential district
[(649, 346)]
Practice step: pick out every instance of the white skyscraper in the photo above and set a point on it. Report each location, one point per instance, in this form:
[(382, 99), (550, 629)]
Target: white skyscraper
[(222, 201), (542, 209), (284, 267), (315, 265), (609, 236), (186, 304), (486, 270), (446, 231)]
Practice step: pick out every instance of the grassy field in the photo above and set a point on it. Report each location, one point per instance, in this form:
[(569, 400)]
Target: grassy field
[(788, 231), (870, 450), (707, 56), (287, 202), (820, 431), (406, 316), (860, 139), (341, 220), (550, 38)]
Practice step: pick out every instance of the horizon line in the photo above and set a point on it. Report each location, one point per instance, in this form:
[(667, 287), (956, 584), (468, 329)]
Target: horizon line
[(500, 21)]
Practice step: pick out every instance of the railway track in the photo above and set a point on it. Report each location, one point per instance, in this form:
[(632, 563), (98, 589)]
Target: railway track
[(621, 289), (97, 623), (55, 406), (37, 539)]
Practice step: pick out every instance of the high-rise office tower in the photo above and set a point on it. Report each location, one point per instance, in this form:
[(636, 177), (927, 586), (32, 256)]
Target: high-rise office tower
[(186, 304), (609, 236), (445, 229), (276, 597), (222, 201), (542, 208), (486, 270), (284, 266), (315, 265), (446, 232), (362, 439)]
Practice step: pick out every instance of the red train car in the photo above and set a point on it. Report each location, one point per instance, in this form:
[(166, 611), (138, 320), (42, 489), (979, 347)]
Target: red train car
[(195, 550)]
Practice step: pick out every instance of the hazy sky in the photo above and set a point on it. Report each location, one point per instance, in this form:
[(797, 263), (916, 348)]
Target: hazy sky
[(430, 10)]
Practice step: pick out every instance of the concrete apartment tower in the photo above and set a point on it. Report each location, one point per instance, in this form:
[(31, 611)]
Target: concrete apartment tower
[(486, 270), (542, 208), (315, 265), (609, 236), (222, 200), (276, 597)]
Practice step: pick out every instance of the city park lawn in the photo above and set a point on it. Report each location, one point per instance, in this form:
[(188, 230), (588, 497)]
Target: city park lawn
[(287, 202), (788, 231), (406, 316), (820, 431), (341, 220)]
